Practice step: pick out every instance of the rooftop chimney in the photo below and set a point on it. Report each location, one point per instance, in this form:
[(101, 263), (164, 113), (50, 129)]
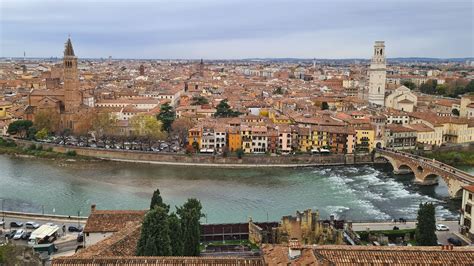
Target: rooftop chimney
[(294, 249)]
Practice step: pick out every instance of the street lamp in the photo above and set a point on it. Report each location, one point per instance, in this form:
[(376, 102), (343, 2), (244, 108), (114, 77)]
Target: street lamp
[(78, 219), (3, 212)]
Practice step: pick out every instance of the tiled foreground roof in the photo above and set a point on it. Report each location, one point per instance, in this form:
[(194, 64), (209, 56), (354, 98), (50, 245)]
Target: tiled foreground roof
[(122, 243), (170, 261), (111, 220), (370, 255)]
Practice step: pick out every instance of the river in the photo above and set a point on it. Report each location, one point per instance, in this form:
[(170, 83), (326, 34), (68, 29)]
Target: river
[(227, 195)]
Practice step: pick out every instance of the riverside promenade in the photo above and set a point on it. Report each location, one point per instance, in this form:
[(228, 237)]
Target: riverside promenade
[(206, 160)]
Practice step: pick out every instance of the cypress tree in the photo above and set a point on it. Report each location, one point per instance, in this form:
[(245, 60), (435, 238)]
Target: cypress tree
[(155, 234), (190, 214), (176, 235), (426, 226), (157, 200)]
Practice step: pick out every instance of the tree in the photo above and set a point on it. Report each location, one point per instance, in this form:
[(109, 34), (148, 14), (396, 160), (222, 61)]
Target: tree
[(84, 126), (278, 90), (195, 146), (157, 200), (166, 116), (199, 100), (11, 254), (409, 84), (240, 153), (324, 106), (429, 87), (20, 128), (42, 134), (148, 128), (441, 89), (176, 236), (180, 128), (223, 110), (48, 120), (63, 134), (104, 125), (426, 226), (155, 234), (470, 86), (190, 214)]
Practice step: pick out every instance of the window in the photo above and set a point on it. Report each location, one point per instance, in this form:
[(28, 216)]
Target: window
[(468, 208), (470, 196)]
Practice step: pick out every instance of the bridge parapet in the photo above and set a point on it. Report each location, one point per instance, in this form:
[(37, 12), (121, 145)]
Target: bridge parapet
[(425, 169)]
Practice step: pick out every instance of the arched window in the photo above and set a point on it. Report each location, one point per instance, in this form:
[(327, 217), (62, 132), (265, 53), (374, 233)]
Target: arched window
[(378, 89)]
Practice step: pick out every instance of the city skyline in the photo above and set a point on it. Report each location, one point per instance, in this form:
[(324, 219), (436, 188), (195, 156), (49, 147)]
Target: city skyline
[(236, 30)]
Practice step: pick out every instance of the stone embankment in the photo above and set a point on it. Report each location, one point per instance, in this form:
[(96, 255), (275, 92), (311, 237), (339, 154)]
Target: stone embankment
[(209, 160)]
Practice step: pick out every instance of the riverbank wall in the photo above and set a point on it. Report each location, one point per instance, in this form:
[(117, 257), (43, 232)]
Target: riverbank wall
[(39, 216), (208, 160)]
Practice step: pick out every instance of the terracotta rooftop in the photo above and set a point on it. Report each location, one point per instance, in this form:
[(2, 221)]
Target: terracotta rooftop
[(369, 255), (121, 243), (420, 127), (170, 261), (469, 188), (398, 128), (111, 220)]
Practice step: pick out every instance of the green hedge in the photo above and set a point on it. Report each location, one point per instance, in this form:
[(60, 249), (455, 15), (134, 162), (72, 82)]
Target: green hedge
[(391, 234)]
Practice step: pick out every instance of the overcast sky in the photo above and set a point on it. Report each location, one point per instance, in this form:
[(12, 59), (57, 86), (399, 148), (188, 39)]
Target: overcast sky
[(219, 29)]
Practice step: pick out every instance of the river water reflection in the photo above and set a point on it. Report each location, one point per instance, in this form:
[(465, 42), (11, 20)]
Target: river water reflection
[(228, 195)]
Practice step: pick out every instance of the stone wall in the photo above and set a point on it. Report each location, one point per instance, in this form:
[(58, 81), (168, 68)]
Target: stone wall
[(173, 158)]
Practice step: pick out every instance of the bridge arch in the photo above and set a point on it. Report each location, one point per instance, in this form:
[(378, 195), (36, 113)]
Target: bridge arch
[(405, 169), (419, 169), (389, 160), (430, 179), (427, 171), (458, 193)]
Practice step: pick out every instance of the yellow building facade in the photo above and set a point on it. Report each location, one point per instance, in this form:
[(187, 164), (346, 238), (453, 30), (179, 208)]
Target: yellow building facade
[(365, 138), (4, 106)]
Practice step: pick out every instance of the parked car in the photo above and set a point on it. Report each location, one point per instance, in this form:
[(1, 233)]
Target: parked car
[(32, 225), (11, 234), (73, 228), (80, 237), (26, 236), (19, 234), (455, 241), (16, 224), (442, 227)]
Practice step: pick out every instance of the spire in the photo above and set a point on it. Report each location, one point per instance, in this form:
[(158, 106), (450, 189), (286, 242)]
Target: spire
[(68, 50)]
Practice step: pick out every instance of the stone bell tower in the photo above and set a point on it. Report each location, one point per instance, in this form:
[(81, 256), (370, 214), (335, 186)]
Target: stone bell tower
[(72, 94), (377, 75)]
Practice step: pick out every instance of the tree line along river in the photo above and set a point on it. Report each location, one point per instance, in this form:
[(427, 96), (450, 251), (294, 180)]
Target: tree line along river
[(362, 192)]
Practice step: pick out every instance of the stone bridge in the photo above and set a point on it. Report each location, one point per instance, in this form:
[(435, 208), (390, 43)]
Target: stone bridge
[(426, 170)]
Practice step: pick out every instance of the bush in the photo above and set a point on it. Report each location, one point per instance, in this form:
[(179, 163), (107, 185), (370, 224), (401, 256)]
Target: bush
[(71, 153), (39, 147), (391, 234), (50, 149), (32, 147), (7, 143), (240, 153)]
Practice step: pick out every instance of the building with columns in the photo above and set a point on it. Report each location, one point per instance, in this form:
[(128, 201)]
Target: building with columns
[(377, 75)]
